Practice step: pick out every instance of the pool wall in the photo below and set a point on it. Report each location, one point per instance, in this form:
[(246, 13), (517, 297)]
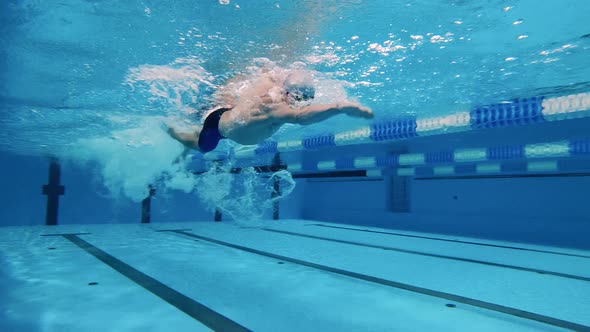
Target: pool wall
[(86, 201), (551, 210)]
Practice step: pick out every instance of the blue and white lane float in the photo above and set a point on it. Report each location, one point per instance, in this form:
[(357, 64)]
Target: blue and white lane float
[(440, 160), (519, 112)]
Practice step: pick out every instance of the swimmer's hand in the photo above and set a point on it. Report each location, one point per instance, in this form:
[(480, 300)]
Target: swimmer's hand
[(355, 110)]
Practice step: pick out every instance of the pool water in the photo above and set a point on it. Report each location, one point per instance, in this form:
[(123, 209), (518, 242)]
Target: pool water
[(462, 206), (97, 67)]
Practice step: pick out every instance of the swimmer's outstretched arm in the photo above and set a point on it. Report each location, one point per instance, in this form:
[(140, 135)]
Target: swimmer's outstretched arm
[(317, 113)]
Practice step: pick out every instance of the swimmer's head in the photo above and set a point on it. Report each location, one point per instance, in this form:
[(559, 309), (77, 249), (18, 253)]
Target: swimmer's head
[(300, 93), (299, 86)]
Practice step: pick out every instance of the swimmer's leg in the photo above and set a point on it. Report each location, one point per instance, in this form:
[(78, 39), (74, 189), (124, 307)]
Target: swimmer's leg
[(189, 139)]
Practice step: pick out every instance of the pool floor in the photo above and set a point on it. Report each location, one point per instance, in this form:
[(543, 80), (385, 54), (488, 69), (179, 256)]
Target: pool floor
[(292, 275)]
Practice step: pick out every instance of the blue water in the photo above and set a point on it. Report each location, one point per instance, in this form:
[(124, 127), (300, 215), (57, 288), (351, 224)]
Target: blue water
[(91, 82), (65, 65)]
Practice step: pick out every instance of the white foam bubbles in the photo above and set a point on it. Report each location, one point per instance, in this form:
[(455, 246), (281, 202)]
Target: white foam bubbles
[(245, 197), (132, 159), (178, 83)]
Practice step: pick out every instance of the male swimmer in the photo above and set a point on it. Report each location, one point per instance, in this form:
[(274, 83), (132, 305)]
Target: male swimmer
[(261, 108)]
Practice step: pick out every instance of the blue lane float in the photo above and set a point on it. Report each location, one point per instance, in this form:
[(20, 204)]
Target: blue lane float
[(515, 113), (393, 130), (519, 112), (579, 147), (267, 147), (317, 142), (506, 152), (439, 157)]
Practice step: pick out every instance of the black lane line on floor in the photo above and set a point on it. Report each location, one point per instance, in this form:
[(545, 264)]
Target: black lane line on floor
[(421, 253), (198, 311), (448, 240), (447, 296)]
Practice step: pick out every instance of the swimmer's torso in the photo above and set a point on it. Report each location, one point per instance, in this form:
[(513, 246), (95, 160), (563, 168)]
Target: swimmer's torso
[(250, 120)]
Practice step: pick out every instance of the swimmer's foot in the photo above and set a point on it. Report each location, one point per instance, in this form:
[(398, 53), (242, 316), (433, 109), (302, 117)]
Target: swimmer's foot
[(356, 110)]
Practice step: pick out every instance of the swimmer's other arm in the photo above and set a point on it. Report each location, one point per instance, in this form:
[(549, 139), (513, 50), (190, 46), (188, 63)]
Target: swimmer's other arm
[(317, 113)]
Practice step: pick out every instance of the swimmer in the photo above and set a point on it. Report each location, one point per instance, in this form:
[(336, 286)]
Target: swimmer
[(261, 108)]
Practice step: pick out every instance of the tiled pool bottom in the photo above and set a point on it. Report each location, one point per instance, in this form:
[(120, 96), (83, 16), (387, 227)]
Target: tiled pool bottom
[(292, 275)]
